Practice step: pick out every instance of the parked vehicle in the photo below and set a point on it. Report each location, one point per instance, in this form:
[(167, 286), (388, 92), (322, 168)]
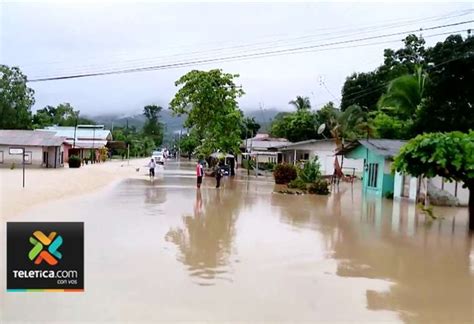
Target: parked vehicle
[(225, 169), (158, 157)]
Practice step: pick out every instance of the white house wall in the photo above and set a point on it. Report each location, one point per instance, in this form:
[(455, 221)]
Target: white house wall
[(461, 193), (34, 156), (325, 151), (34, 153), (348, 164)]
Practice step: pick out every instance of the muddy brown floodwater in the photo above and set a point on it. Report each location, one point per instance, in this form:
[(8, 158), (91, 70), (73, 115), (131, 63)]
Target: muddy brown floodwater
[(164, 251)]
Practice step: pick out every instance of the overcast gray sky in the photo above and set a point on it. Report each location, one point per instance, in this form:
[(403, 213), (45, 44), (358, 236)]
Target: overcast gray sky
[(52, 39)]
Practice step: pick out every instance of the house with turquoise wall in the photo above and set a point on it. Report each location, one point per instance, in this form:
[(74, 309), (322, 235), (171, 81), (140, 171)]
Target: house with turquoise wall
[(377, 154)]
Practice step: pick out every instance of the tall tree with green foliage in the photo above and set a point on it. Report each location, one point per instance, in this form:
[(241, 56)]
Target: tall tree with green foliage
[(365, 89), (249, 127), (16, 99), (62, 115), (350, 124), (153, 127), (188, 143), (449, 103), (209, 100), (296, 126), (399, 106), (449, 155), (362, 89)]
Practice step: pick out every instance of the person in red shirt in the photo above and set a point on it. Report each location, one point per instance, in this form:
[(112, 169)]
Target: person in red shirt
[(199, 173)]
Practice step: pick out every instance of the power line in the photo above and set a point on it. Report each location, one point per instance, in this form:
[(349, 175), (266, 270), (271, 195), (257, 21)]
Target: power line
[(370, 90), (243, 56), (346, 32), (80, 70)]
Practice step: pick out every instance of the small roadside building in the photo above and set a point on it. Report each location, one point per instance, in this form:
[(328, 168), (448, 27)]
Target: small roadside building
[(324, 149), (377, 156), (262, 148), (42, 149), (82, 140)]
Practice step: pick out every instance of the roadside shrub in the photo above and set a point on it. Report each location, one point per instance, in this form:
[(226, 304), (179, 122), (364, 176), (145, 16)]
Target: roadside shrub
[(389, 195), (284, 173), (270, 166), (248, 164), (297, 184), (104, 154), (74, 161), (319, 187), (311, 171), (12, 167)]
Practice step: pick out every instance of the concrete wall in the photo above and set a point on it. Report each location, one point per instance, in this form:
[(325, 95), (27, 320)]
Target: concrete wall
[(265, 158), (325, 151), (54, 156), (455, 189), (34, 156), (398, 187)]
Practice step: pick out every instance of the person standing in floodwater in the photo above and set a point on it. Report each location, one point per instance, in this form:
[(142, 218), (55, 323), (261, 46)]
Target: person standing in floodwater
[(151, 166), (199, 173), (218, 171)]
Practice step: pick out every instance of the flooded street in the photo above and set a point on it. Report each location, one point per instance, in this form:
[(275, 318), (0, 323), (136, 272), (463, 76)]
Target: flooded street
[(164, 251)]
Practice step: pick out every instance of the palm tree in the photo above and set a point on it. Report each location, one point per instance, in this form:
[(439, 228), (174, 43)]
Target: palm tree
[(404, 94), (301, 103), (350, 124)]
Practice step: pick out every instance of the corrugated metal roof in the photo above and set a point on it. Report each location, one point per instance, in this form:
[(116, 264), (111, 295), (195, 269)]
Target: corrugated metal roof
[(88, 144), (256, 144), (296, 144), (82, 133), (21, 137), (383, 147)]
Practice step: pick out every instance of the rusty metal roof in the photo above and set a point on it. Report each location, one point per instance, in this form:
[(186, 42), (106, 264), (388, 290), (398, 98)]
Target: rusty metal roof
[(21, 137)]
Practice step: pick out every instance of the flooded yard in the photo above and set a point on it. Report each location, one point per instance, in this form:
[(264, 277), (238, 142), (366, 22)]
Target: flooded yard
[(164, 251)]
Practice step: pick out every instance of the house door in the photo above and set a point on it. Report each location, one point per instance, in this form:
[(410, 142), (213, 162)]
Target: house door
[(45, 159), (406, 186)]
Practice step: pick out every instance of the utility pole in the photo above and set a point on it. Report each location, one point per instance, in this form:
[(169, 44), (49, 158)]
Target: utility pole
[(93, 145), (75, 129), (23, 155), (179, 144)]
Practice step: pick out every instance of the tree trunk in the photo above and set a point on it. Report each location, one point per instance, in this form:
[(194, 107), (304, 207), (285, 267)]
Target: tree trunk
[(471, 208), (427, 198)]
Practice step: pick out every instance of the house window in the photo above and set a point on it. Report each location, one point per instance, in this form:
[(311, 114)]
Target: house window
[(28, 157), (1, 157), (306, 156), (372, 175), (61, 161)]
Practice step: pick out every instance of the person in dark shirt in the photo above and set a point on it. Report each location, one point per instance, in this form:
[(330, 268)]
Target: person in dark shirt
[(218, 171)]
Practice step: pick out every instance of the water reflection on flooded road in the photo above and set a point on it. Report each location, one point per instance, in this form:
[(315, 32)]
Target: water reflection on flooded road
[(165, 251)]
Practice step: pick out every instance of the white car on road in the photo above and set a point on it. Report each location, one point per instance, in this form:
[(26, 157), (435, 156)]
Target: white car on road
[(158, 157)]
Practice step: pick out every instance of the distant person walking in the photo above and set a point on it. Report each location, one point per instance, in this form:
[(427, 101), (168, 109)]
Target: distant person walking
[(151, 166), (199, 173)]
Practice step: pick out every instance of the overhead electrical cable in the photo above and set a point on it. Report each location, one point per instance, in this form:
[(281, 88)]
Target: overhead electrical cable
[(243, 56)]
